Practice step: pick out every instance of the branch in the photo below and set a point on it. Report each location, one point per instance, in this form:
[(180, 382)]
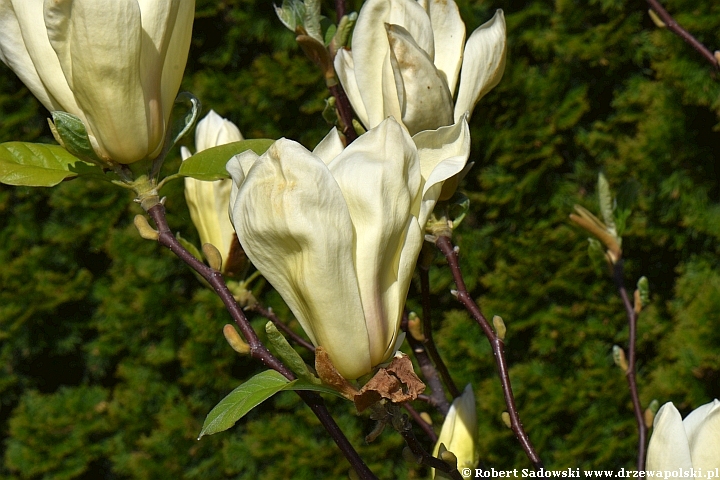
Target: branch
[(437, 397), (345, 111), (630, 373), (427, 428), (427, 332), (672, 25), (498, 348), (270, 315), (257, 349)]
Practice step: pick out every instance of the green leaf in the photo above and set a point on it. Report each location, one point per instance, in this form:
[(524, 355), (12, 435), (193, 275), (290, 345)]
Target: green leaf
[(210, 164), (185, 121), (241, 400), (73, 134), (281, 348), (251, 394), (39, 165)]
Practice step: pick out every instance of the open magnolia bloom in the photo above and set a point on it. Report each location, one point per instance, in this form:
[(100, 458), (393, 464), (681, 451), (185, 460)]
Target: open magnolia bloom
[(117, 65), (337, 231), (688, 444), (459, 430), (208, 202), (406, 58)]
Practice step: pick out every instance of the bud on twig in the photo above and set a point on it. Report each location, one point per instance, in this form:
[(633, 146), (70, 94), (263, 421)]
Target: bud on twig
[(500, 328), (650, 413), (212, 254), (144, 228), (506, 419), (233, 338), (656, 20), (415, 327), (619, 358)]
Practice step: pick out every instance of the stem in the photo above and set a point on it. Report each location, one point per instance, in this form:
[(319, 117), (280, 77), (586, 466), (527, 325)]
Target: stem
[(630, 374), (427, 428), (345, 111), (257, 349), (498, 348), (339, 9), (672, 25), (437, 397), (427, 332), (270, 315)]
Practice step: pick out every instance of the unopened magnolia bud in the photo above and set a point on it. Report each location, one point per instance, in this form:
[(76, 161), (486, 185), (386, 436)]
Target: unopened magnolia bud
[(500, 328), (233, 338), (619, 358), (144, 228), (426, 417), (506, 419), (212, 254), (415, 327)]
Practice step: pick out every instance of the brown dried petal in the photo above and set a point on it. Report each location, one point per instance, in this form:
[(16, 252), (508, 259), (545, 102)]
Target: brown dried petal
[(397, 383)]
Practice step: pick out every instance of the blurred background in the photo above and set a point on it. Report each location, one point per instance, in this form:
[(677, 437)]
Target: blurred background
[(111, 351)]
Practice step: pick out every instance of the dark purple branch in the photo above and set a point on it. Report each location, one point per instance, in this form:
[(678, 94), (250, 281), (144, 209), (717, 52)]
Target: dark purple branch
[(674, 27), (270, 315), (345, 111), (257, 349), (630, 374), (437, 396), (498, 348), (427, 332), (339, 9), (427, 428)]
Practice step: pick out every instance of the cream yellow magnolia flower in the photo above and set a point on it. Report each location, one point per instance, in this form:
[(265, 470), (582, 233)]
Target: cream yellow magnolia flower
[(406, 58), (208, 202), (117, 65), (459, 430), (688, 444), (337, 231)]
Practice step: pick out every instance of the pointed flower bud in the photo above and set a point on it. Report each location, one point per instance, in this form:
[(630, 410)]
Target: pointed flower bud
[(337, 232), (692, 443), (407, 56), (459, 430), (209, 202), (115, 65)]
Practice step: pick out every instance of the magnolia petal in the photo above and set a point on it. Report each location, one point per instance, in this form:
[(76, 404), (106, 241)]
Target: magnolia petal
[(214, 130), (14, 53), (99, 44), (371, 53), (668, 448), (703, 431), (329, 147), (238, 168), (483, 63), (443, 154), (425, 100), (208, 204), (345, 68), (175, 58), (379, 177), (449, 37), (293, 223), (459, 430)]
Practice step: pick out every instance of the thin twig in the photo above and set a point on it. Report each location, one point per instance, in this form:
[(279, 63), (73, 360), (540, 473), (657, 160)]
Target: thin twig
[(498, 348), (257, 349), (430, 374), (345, 111), (427, 428), (427, 332), (339, 9), (672, 25), (403, 426), (270, 315), (630, 374)]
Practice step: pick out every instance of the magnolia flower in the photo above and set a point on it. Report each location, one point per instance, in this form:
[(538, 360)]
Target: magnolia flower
[(406, 58), (459, 430), (688, 444), (337, 231), (209, 201), (117, 65)]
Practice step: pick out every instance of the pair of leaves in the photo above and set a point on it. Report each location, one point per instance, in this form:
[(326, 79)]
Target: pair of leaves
[(251, 394)]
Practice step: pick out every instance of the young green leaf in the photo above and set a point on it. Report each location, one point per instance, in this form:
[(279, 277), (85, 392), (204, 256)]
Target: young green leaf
[(210, 164), (39, 165)]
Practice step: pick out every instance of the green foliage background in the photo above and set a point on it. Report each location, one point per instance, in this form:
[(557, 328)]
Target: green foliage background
[(111, 352)]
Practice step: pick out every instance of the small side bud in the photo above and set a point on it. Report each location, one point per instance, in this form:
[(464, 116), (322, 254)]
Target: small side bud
[(506, 419), (619, 358), (643, 288), (233, 338), (454, 293), (144, 228), (650, 413), (656, 20), (212, 254), (415, 327), (500, 328), (426, 418), (448, 457)]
